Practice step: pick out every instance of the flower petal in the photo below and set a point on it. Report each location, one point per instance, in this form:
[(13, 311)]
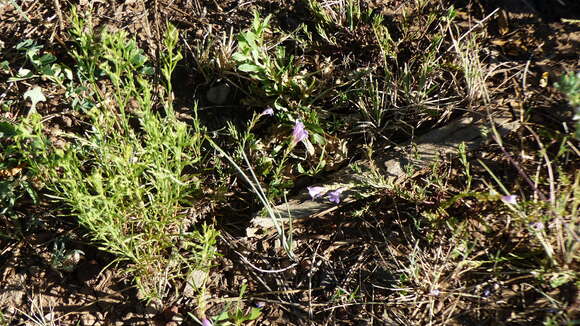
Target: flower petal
[(299, 133), (316, 192), (538, 226), (268, 111), (510, 199), (334, 196)]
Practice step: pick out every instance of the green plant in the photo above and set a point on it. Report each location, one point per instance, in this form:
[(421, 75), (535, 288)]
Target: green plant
[(64, 259), (254, 183), (405, 90), (3, 320), (344, 296), (374, 108), (213, 55), (19, 9), (346, 14), (277, 75), (570, 85), (235, 315), (272, 164), (44, 65), (125, 178), (462, 151), (560, 209), (238, 316), (474, 71), (15, 177)]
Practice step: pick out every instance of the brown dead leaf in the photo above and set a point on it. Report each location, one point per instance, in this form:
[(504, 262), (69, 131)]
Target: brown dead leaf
[(7, 173), (499, 42), (503, 22), (544, 79)]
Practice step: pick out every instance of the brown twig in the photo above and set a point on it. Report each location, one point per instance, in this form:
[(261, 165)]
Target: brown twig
[(521, 172), (548, 165), (59, 14)]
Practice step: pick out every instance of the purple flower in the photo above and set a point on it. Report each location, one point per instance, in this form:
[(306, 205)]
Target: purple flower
[(538, 226), (486, 292), (299, 133), (316, 192), (435, 292), (510, 199), (268, 111), (260, 304), (334, 196), (205, 322)]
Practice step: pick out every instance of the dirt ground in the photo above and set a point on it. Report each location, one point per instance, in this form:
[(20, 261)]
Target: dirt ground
[(360, 246)]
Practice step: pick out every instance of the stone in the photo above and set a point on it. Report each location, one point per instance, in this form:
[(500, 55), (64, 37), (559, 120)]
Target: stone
[(219, 94)]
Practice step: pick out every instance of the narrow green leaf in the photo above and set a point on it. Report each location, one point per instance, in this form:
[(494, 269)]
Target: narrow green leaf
[(248, 67), (240, 57)]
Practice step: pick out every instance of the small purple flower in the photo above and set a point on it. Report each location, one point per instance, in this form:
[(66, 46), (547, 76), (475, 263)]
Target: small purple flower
[(206, 322), (334, 196), (435, 292), (299, 133), (316, 192), (260, 304), (268, 111), (510, 199), (487, 292), (538, 226)]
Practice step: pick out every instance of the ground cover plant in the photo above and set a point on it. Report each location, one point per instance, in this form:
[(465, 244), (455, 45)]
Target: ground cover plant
[(141, 140)]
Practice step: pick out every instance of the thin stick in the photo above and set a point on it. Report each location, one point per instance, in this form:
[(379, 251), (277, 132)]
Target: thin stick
[(471, 29), (264, 270), (59, 13), (548, 166), (521, 172), (526, 68)]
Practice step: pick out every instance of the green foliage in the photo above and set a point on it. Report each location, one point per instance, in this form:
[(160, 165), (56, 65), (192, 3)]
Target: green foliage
[(400, 88), (278, 74), (131, 174), (43, 65), (570, 85), (347, 14), (87, 52), (17, 147), (124, 179), (64, 259), (236, 314), (285, 239), (20, 12)]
